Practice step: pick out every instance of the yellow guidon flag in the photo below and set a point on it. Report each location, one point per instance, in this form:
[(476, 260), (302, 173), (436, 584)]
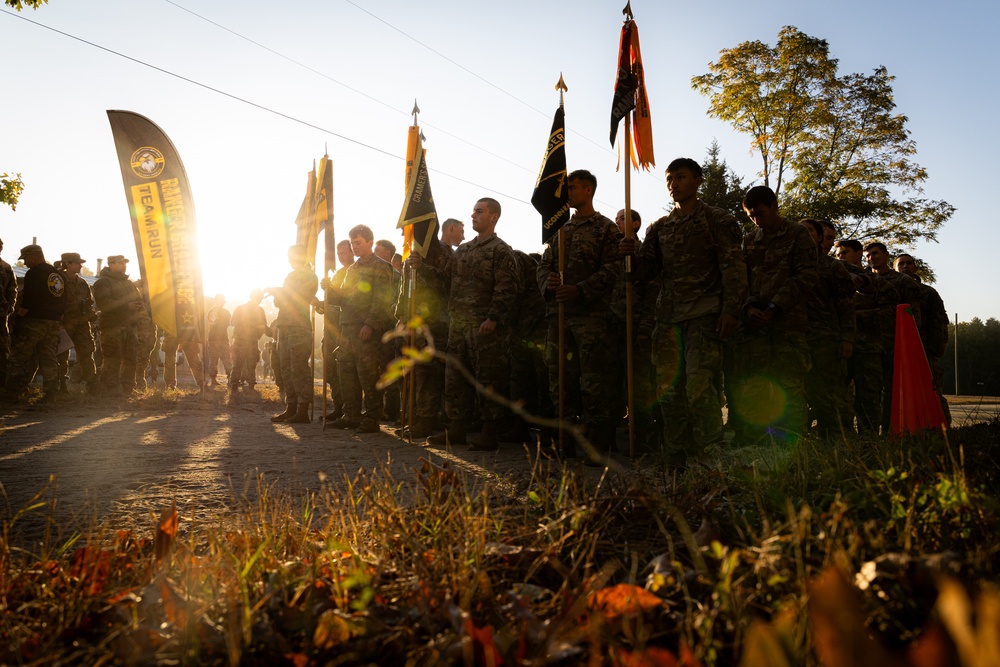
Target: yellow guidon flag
[(163, 222), (418, 219)]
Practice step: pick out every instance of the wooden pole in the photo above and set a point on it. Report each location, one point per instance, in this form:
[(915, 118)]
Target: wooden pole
[(562, 344), (629, 328), (411, 336)]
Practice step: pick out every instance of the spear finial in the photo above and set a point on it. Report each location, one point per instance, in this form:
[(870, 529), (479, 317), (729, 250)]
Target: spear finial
[(561, 87), (628, 11), (416, 110)]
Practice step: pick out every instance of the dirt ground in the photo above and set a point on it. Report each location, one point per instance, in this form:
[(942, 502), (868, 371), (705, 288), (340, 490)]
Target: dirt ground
[(100, 458)]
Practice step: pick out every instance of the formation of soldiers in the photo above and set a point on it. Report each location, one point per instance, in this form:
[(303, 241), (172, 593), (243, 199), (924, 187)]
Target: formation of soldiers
[(769, 325)]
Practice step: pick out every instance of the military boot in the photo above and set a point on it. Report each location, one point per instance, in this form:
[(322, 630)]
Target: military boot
[(286, 415), (454, 435), (487, 440), (301, 415)]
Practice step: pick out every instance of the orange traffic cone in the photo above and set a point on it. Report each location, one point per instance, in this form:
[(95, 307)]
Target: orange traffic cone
[(915, 406)]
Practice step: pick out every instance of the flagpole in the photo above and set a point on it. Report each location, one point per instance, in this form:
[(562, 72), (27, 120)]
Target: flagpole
[(629, 327), (410, 378), (562, 341)]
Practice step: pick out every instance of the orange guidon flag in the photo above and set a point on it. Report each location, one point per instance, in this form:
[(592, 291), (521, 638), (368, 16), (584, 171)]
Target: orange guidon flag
[(630, 95)]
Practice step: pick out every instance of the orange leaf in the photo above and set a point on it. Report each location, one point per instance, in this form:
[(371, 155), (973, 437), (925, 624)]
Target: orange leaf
[(166, 531), (482, 640), (652, 656), (623, 600), (298, 659)]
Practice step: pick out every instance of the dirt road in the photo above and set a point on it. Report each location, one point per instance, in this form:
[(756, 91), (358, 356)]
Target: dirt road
[(126, 460)]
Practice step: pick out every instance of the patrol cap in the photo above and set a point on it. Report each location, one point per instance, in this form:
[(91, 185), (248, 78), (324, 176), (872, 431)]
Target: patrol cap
[(116, 258), (70, 257), (30, 249)]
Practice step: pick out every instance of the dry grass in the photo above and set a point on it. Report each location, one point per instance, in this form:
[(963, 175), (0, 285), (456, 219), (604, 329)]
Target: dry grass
[(768, 556)]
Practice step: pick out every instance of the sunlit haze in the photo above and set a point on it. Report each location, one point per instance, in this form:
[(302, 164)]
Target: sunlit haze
[(342, 76)]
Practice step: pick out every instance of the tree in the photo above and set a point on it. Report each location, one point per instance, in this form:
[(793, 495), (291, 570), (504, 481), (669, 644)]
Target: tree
[(834, 143), (11, 187), (21, 4), (722, 187)]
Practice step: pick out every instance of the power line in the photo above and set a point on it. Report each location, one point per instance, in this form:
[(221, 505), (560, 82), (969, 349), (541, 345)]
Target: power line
[(254, 104), (344, 85)]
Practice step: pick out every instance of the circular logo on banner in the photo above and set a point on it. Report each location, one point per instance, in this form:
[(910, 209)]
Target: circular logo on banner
[(56, 284), (147, 162)]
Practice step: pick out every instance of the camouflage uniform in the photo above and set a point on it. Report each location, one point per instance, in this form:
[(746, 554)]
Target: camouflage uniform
[(192, 353), (430, 303), (365, 298), (702, 276), (874, 306), (591, 264), (218, 342), (482, 280), (8, 295), (645, 402), (392, 393), (529, 377), (769, 396), (145, 331), (113, 293), (249, 324), (934, 335), (295, 334), (76, 320), (35, 335), (830, 310), (907, 290), (332, 340)]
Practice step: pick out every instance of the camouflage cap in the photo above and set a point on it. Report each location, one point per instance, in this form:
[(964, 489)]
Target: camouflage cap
[(30, 249), (117, 258), (70, 257)]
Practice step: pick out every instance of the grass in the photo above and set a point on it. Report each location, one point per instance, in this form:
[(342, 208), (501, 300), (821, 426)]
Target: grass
[(849, 553)]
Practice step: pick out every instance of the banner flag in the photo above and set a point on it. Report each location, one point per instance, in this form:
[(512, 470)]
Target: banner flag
[(305, 222), (324, 214), (163, 223), (630, 95), (418, 214), (550, 197)]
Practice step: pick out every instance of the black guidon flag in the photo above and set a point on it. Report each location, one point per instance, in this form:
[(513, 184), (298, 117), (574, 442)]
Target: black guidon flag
[(550, 197), (625, 85)]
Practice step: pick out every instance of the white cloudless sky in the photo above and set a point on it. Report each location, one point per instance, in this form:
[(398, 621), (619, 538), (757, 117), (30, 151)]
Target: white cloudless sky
[(483, 75)]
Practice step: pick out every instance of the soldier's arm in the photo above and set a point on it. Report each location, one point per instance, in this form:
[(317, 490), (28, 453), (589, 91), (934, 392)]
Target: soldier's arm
[(600, 283), (732, 265), (504, 284), (381, 301), (803, 272), (647, 264)]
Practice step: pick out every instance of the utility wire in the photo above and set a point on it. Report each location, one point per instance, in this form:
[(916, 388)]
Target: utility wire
[(344, 85), (254, 104)]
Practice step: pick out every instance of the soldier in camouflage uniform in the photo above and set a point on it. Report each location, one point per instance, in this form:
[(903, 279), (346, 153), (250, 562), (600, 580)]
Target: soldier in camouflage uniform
[(119, 302), (430, 303), (35, 327), (879, 262), (332, 336), (645, 400), (295, 336), (217, 348), (529, 376), (76, 320), (365, 298), (874, 305), (482, 280), (933, 327), (145, 331), (773, 355), (584, 290), (386, 250), (830, 310), (8, 296), (249, 324), (695, 252)]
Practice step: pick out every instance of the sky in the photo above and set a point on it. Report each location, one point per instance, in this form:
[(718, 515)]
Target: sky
[(252, 92)]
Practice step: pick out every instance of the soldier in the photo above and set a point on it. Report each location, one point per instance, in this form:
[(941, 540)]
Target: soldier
[(192, 353), (874, 305), (645, 403), (829, 237), (295, 339), (430, 303), (146, 334), (878, 261), (773, 355), (76, 320), (933, 326), (119, 302), (830, 309), (386, 250), (365, 297), (249, 324), (219, 319), (482, 279), (695, 253), (452, 233), (584, 290), (8, 296), (332, 335), (35, 328)]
